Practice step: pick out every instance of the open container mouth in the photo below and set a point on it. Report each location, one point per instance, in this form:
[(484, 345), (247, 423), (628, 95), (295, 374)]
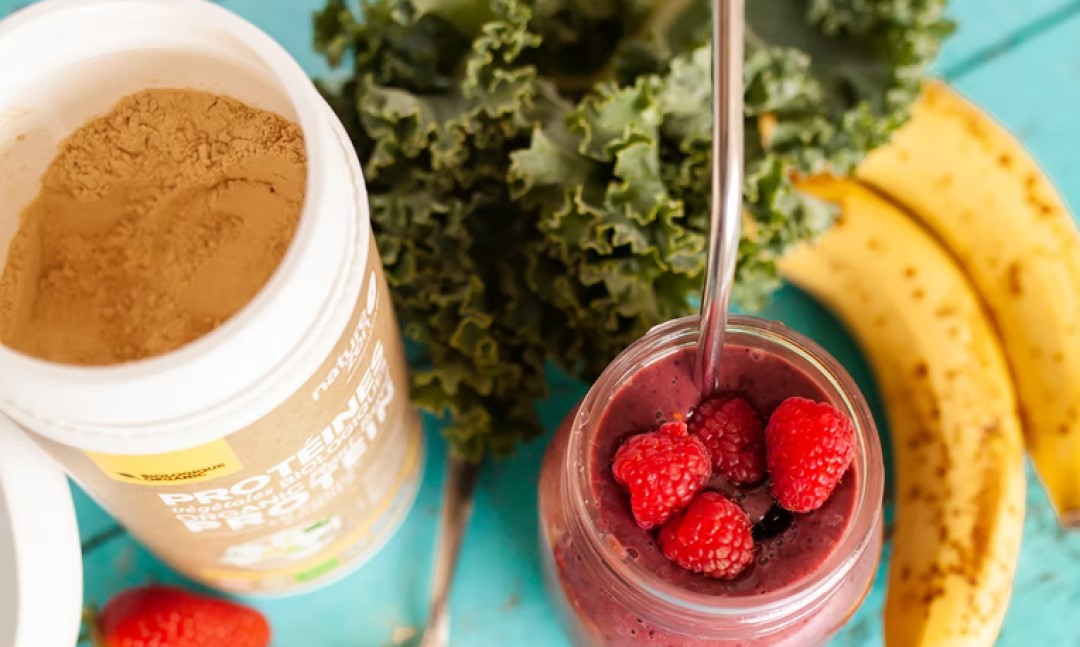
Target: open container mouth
[(658, 600), (78, 58)]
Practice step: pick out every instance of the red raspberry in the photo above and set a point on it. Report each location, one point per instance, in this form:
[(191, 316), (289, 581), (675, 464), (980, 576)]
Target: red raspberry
[(734, 434), (662, 470), (712, 537), (808, 447)]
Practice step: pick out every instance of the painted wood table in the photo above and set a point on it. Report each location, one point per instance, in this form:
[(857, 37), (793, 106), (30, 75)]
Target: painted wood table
[(1019, 59)]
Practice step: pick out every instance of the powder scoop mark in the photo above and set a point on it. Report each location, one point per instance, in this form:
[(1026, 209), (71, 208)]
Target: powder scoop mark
[(155, 223)]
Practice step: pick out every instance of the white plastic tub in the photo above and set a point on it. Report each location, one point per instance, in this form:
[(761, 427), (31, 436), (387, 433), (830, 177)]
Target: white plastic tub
[(300, 400)]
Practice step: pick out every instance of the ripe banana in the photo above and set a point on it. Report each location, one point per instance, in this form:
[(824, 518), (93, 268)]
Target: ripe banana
[(951, 411), (976, 188)]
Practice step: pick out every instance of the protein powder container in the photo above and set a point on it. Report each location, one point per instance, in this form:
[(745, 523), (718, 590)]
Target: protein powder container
[(280, 450)]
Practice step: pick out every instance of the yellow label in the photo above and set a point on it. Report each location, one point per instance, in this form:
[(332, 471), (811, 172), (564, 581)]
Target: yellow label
[(193, 465)]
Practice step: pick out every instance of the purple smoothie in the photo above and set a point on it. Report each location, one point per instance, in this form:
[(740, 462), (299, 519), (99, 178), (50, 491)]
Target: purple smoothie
[(665, 389), (657, 392)]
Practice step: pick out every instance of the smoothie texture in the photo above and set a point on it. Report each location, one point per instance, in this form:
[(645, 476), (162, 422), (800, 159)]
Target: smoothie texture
[(788, 553)]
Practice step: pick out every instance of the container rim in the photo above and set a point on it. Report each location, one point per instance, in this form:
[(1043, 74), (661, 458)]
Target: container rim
[(160, 373), (288, 72)]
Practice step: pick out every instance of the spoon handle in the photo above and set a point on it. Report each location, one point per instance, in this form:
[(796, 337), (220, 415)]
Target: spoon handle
[(727, 177), (458, 491)]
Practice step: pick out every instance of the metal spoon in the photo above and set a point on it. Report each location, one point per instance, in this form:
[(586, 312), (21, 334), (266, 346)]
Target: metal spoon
[(461, 477), (729, 38)]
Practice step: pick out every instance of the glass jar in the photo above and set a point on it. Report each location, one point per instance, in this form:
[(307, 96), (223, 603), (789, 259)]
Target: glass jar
[(608, 598)]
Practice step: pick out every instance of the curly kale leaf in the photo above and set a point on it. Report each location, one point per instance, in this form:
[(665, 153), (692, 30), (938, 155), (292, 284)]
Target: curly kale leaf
[(436, 123), (616, 255)]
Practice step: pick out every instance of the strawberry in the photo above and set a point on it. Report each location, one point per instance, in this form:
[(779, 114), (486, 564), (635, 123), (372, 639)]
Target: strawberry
[(713, 537), (166, 616), (734, 434), (808, 448), (662, 470)]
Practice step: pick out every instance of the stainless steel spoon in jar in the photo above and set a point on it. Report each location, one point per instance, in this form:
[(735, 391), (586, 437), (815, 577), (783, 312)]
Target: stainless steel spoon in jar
[(729, 37)]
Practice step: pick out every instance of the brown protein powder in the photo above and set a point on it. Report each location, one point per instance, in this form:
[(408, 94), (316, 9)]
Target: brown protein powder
[(155, 223)]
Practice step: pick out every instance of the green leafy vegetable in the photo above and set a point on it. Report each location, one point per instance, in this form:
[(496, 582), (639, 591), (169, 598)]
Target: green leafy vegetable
[(538, 169)]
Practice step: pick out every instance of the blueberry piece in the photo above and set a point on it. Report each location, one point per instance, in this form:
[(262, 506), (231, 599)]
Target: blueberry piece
[(775, 521)]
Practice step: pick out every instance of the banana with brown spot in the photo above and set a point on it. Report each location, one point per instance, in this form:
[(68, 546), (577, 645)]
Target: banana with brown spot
[(951, 411), (978, 190)]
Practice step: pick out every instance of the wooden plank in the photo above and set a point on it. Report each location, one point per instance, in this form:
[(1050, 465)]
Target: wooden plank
[(988, 28)]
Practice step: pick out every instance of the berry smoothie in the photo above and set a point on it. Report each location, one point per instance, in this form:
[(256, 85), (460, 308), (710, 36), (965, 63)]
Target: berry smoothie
[(609, 576)]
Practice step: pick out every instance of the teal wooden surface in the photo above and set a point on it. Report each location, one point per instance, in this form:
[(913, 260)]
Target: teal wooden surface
[(989, 28), (1019, 59)]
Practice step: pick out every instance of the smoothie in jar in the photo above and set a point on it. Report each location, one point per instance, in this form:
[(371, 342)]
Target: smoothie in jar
[(611, 578)]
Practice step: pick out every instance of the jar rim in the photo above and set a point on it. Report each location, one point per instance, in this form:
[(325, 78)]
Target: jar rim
[(642, 588)]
